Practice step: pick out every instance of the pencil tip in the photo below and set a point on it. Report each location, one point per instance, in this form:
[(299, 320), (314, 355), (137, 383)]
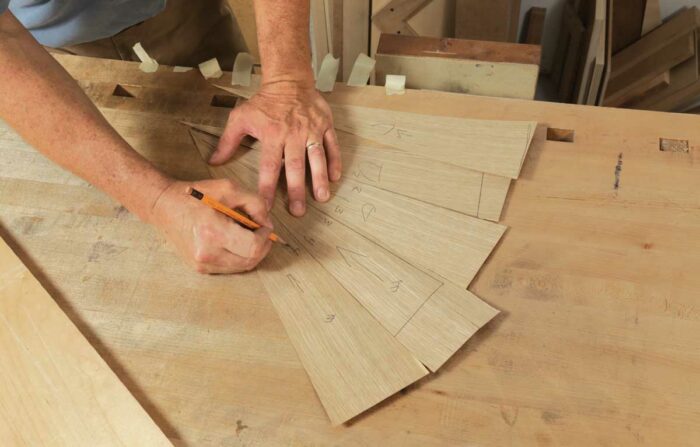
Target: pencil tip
[(281, 241)]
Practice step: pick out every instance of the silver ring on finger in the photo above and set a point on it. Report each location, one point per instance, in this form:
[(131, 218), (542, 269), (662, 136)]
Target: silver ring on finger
[(311, 144)]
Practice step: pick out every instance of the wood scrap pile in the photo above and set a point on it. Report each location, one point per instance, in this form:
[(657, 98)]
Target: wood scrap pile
[(660, 70), (581, 66), (372, 288), (618, 53)]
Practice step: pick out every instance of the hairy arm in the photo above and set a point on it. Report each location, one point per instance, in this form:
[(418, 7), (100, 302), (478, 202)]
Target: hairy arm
[(40, 100)]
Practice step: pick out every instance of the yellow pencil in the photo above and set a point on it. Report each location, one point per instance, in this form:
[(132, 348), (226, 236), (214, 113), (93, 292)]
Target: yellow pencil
[(238, 217)]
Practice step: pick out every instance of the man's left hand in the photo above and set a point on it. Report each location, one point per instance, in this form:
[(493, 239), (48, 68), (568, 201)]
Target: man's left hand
[(290, 120)]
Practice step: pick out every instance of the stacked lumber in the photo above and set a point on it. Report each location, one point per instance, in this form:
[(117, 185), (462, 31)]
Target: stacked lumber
[(618, 53), (372, 288), (581, 63), (659, 71)]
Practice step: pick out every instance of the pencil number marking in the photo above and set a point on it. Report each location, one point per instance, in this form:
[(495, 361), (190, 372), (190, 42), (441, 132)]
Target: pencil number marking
[(395, 286), (329, 318), (338, 210)]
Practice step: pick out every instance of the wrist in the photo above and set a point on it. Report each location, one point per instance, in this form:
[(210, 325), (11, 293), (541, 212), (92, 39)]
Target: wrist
[(289, 81)]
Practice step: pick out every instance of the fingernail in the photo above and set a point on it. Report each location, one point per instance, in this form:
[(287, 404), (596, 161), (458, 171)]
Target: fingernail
[(212, 159), (297, 208), (268, 203), (322, 194), (336, 176), (268, 223)]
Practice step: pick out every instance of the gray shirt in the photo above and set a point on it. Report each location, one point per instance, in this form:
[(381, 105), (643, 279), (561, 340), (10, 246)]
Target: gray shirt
[(58, 23)]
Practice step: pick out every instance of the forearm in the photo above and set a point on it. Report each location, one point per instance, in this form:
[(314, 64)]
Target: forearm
[(40, 100), (283, 40)]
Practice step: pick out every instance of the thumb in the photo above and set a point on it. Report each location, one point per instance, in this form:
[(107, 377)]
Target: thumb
[(233, 134)]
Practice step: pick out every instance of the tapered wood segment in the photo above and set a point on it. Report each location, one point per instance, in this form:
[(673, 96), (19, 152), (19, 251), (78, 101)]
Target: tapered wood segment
[(429, 315)]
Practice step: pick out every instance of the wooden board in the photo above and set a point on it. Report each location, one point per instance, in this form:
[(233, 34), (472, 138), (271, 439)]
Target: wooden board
[(681, 24), (598, 69), (641, 90), (627, 27), (320, 39), (677, 51), (55, 390), (501, 79), (652, 16), (476, 50), (244, 12), (352, 361), (478, 194), (533, 27), (567, 59), (605, 270), (496, 147), (457, 65), (607, 70), (393, 17), (355, 33), (593, 16), (494, 20), (684, 86), (431, 317)]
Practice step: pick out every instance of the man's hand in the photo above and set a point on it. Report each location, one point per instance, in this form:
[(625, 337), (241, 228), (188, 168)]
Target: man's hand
[(210, 241), (290, 120)]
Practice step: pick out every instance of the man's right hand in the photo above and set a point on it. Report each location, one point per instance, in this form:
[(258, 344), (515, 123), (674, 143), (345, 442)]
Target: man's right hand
[(207, 239)]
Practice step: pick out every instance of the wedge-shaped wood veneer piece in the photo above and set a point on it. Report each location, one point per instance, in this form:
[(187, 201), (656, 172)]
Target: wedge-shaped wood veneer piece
[(443, 242), (439, 183), (490, 146), (494, 147), (406, 300), (54, 387), (352, 361)]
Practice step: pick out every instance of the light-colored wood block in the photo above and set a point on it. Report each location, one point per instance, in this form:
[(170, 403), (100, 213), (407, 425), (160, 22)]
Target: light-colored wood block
[(507, 80)]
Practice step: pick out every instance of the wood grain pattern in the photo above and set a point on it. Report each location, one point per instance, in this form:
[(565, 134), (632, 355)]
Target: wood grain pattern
[(627, 27), (594, 12), (607, 70), (495, 147), (674, 53), (353, 362), (494, 20), (244, 12), (388, 168), (676, 27), (684, 87), (355, 32), (605, 270), (533, 26), (501, 79), (494, 190), (643, 89), (652, 16), (440, 241), (431, 317), (477, 50), (55, 390), (393, 18)]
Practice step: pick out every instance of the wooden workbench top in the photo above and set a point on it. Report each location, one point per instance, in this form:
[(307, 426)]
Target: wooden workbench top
[(598, 339)]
